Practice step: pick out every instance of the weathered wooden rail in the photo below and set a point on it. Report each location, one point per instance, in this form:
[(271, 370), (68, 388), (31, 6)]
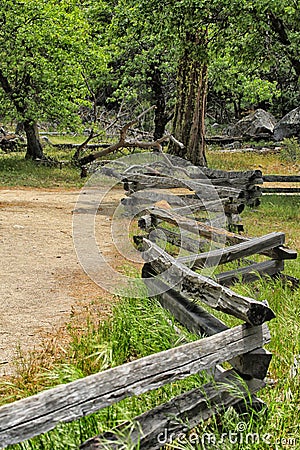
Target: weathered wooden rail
[(282, 179), (202, 189), (175, 280), (40, 413)]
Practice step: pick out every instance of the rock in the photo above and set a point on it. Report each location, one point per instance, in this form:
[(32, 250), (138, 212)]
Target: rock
[(288, 126), (235, 144), (257, 123)]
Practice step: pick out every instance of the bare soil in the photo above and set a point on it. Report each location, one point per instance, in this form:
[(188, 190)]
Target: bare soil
[(42, 282)]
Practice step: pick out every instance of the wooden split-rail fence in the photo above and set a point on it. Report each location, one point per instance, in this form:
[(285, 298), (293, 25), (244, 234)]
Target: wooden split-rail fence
[(281, 184), (175, 273), (218, 191)]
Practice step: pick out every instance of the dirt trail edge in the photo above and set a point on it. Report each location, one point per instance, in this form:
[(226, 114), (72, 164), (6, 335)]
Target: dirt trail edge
[(41, 279)]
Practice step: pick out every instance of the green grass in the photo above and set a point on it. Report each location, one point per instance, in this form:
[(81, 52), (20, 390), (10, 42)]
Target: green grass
[(276, 213), (15, 171), (268, 163), (138, 327)]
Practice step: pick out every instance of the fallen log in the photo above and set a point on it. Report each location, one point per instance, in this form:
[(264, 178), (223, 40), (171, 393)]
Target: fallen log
[(125, 143)]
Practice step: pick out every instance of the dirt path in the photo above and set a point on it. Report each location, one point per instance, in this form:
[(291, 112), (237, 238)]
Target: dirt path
[(41, 279)]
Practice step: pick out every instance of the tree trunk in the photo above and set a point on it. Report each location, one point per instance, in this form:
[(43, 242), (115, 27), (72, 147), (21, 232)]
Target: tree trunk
[(161, 118), (19, 128), (34, 147), (189, 126)]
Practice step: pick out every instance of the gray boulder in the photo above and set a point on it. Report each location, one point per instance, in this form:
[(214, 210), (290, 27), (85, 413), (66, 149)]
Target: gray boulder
[(259, 122), (288, 126)]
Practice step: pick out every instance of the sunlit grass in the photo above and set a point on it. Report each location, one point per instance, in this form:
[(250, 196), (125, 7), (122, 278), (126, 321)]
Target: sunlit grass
[(16, 171), (268, 163)]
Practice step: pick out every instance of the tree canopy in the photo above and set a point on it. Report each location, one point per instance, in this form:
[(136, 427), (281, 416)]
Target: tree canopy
[(58, 55), (42, 46)]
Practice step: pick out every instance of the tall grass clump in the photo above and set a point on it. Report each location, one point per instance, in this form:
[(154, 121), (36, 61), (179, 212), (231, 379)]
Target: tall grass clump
[(290, 150)]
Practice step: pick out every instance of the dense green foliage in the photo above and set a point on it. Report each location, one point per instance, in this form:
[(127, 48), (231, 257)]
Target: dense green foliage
[(42, 47), (57, 56)]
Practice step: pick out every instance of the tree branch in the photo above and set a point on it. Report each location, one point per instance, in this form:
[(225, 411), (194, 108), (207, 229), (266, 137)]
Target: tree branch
[(123, 143)]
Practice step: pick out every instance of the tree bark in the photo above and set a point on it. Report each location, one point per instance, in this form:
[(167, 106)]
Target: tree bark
[(34, 146), (188, 125), (19, 128), (161, 118)]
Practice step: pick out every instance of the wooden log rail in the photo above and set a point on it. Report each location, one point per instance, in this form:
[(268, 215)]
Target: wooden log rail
[(234, 252), (237, 247), (248, 194), (218, 235), (175, 284), (204, 289), (183, 204), (241, 346), (164, 174), (197, 320), (231, 190), (204, 190), (281, 179), (163, 424), (40, 413), (247, 274)]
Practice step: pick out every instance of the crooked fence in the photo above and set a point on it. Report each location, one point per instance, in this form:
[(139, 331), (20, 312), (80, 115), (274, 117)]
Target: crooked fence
[(176, 248)]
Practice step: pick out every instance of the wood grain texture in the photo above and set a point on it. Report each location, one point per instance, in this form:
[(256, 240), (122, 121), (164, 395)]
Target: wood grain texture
[(40, 413), (208, 232), (161, 425), (224, 255), (197, 320), (204, 289), (204, 188)]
